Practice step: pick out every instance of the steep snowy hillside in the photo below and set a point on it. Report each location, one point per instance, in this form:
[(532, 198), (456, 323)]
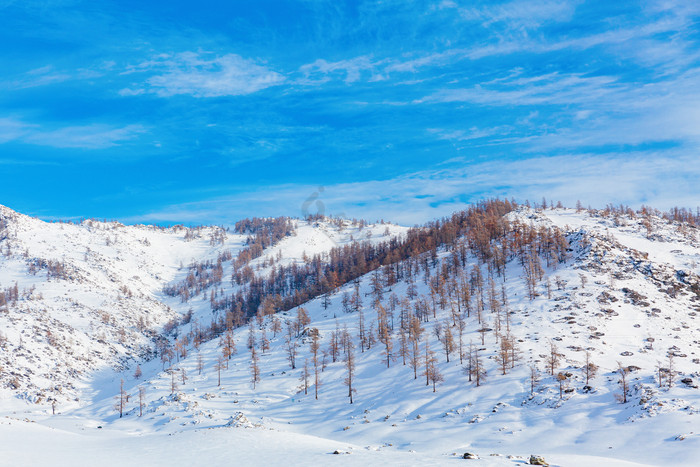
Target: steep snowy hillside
[(78, 298), (568, 334)]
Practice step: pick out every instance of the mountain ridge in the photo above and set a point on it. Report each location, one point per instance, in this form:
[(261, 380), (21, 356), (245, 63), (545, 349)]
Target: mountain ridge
[(545, 292)]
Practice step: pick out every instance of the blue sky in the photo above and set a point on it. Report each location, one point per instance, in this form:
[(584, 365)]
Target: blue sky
[(206, 112)]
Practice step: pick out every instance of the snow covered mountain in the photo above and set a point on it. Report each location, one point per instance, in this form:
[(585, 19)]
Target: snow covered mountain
[(76, 298), (567, 333)]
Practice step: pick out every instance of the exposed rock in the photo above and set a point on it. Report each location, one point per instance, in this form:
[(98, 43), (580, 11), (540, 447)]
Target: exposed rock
[(537, 460), (689, 382), (469, 455), (239, 420)]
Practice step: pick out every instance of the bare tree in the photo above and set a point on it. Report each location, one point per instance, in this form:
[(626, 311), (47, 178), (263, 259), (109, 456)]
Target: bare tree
[(200, 363), (559, 282), (432, 372), (166, 355), (589, 368), (446, 339), (142, 398), (584, 280), (138, 373), (479, 370), (534, 378), (377, 291), (251, 335), (326, 300), (291, 342), (315, 346), (350, 371), (414, 360), (346, 302), (533, 272), (302, 320), (333, 345), (356, 299), (121, 399), (461, 327), (403, 344), (561, 379), (228, 345), (660, 373), (173, 381), (218, 367), (553, 358), (427, 357), (514, 350), (361, 330), (624, 385), (254, 367), (504, 355), (276, 326), (384, 333), (305, 376), (482, 331), (469, 368), (264, 341)]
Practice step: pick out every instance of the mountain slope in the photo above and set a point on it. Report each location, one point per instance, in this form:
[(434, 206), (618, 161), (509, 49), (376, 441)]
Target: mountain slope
[(625, 291), (84, 297)]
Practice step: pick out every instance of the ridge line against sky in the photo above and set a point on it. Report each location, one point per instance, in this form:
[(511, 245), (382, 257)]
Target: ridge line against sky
[(185, 112)]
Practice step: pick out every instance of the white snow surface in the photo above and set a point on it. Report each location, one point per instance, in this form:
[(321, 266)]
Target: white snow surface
[(395, 419)]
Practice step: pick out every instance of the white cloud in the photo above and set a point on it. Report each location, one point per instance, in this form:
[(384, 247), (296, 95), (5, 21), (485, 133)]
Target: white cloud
[(198, 75), (472, 133), (575, 110), (48, 75), (553, 88), (521, 13), (85, 137), (662, 180), (510, 30), (131, 92), (96, 136), (12, 129), (320, 70)]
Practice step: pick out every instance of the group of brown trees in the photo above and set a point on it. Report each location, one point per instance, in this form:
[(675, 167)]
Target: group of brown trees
[(289, 286), (466, 291), (481, 231), (440, 254)]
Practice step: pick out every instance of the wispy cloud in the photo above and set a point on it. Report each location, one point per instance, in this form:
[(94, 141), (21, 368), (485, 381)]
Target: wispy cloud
[(203, 75), (578, 111), (517, 14), (96, 136), (660, 179), (660, 36), (350, 70), (49, 75), (85, 137), (12, 129), (473, 133), (553, 88)]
